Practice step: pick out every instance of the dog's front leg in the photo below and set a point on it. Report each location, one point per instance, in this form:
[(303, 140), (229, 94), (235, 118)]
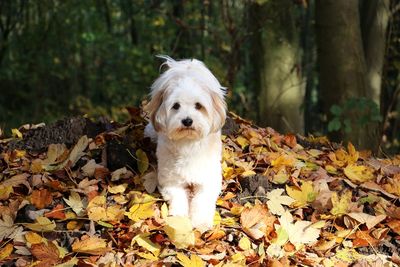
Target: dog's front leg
[(177, 198), (202, 208)]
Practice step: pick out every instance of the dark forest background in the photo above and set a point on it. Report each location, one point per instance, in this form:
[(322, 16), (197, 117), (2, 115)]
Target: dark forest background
[(320, 67)]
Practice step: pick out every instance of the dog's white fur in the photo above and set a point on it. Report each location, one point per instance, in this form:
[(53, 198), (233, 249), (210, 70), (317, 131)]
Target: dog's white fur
[(189, 157)]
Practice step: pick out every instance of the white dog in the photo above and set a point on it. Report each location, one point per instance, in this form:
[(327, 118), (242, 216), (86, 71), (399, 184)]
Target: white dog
[(187, 111)]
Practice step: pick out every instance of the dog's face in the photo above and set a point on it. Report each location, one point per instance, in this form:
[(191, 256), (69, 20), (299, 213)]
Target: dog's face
[(185, 103)]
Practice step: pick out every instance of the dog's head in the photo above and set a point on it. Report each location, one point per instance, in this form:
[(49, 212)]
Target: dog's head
[(187, 101)]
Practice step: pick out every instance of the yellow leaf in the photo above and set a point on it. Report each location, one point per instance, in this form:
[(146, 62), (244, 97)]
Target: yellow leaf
[(5, 192), (33, 238), (340, 205), (142, 161), (117, 189), (217, 218), (42, 224), (228, 221), (239, 258), (164, 210), (244, 243), (243, 142), (98, 211), (248, 173), (194, 261), (144, 241), (147, 256), (358, 174), (305, 195), (139, 212), (16, 133), (353, 154), (6, 251), (91, 245), (283, 161), (180, 231)]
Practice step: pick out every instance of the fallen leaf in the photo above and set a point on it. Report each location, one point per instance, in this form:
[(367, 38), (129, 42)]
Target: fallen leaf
[(244, 243), (300, 232), (303, 195), (76, 153), (180, 231), (41, 198), (56, 213), (144, 241), (7, 227), (42, 224), (369, 220), (340, 205), (193, 261), (91, 245), (34, 238), (46, 251), (75, 202), (358, 173), (6, 251), (142, 161), (276, 200)]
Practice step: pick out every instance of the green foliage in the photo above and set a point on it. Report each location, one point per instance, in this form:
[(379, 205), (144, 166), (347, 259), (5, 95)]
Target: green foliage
[(64, 58), (367, 111)]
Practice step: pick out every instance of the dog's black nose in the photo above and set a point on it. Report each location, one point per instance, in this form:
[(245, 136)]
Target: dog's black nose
[(187, 122)]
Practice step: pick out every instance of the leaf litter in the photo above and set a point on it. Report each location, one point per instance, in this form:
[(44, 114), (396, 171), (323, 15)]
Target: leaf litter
[(287, 200)]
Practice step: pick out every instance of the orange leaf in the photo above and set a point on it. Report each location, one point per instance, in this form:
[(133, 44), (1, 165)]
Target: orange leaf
[(56, 213), (41, 198)]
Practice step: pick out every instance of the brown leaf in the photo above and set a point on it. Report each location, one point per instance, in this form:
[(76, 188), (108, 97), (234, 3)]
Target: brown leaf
[(41, 198), (46, 252)]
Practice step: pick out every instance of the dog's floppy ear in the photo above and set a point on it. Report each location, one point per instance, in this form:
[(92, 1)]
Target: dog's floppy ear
[(219, 111), (153, 108)]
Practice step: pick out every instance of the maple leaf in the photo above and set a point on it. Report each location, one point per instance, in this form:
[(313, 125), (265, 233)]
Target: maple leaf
[(139, 212), (276, 200), (256, 222), (180, 231), (300, 232), (304, 195), (340, 205), (358, 173), (7, 226), (98, 211), (41, 198), (75, 202), (91, 245), (193, 261)]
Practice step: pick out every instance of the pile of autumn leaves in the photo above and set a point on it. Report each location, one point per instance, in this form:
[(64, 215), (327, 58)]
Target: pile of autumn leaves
[(325, 207)]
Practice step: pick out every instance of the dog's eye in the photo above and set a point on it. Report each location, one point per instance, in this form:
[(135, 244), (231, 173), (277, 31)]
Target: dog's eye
[(198, 106), (176, 106)]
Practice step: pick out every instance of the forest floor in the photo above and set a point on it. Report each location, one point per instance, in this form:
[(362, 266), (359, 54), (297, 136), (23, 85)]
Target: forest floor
[(72, 194)]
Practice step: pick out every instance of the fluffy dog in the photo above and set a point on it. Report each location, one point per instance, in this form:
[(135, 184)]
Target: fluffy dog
[(187, 111)]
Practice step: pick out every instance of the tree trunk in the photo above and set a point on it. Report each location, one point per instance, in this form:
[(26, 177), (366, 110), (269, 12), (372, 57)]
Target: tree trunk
[(281, 91), (342, 66), (374, 21)]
